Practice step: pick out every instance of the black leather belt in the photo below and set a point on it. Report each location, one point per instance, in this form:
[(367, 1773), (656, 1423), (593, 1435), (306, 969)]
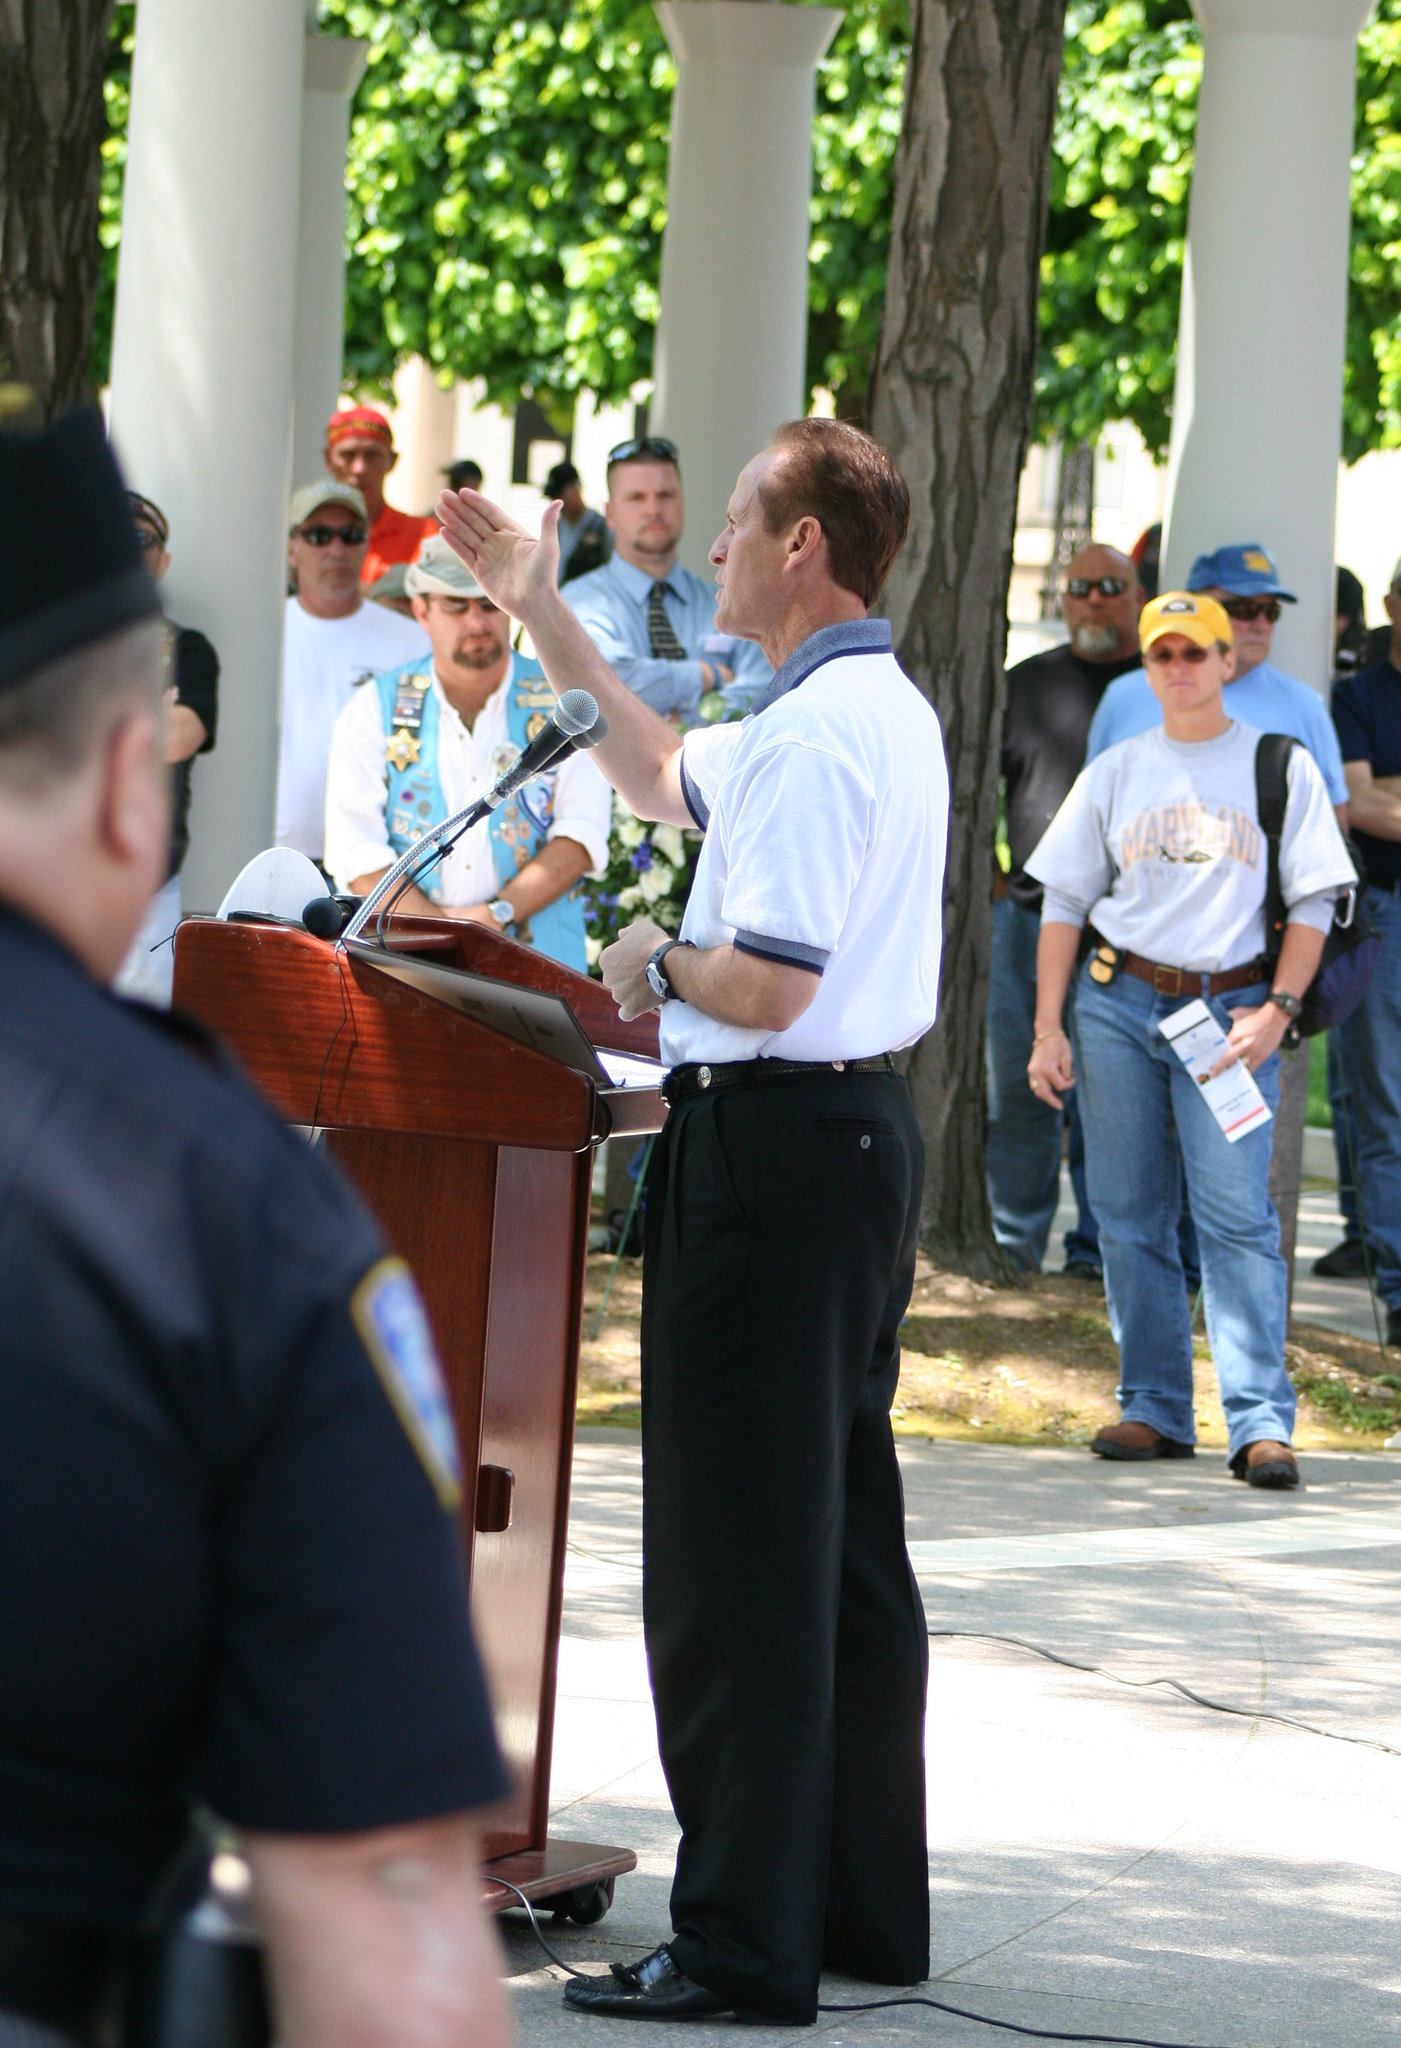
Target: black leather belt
[(695, 1078)]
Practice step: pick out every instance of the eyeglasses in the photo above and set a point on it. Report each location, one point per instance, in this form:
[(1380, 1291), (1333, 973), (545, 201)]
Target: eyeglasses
[(1246, 608), (1162, 655), (645, 448), (1107, 586), (322, 536), (149, 543)]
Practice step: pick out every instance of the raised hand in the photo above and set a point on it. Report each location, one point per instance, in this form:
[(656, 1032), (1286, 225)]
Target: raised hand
[(515, 570)]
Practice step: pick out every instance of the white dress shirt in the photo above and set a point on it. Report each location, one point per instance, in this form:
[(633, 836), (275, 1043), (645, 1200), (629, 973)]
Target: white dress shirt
[(325, 662), (826, 827), (469, 761)]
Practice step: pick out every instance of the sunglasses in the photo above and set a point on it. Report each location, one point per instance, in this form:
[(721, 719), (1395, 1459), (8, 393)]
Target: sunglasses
[(1161, 656), (1245, 608), (322, 536), (644, 448), (1107, 586)]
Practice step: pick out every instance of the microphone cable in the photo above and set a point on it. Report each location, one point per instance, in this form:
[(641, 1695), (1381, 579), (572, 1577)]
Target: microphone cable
[(1068, 1664)]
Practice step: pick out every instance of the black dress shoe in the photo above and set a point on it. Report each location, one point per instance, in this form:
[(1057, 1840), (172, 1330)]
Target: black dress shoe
[(653, 1989), (1346, 1261)]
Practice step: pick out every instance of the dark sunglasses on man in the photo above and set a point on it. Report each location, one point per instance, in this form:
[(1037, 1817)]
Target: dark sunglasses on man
[(1247, 608), (351, 536), (644, 448), (1107, 586)]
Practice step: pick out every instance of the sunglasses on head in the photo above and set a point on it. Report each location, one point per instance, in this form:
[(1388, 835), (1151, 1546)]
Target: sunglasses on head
[(1107, 586), (321, 536), (1245, 608), (1162, 656), (644, 448)]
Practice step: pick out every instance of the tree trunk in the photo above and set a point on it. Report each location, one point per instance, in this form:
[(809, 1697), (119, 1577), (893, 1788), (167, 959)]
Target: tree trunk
[(52, 121), (952, 403)]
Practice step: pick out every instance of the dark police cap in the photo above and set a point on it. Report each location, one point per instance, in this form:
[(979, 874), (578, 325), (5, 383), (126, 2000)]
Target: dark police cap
[(70, 562)]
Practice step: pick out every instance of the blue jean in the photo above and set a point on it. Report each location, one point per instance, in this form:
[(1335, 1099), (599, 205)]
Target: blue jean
[(1024, 1135), (1145, 1122), (1372, 1063)]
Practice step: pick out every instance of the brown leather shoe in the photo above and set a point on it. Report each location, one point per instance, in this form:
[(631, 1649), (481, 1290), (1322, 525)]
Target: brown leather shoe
[(1134, 1442), (1266, 1464)]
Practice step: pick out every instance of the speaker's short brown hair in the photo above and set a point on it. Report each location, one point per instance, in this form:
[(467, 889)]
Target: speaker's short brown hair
[(842, 478)]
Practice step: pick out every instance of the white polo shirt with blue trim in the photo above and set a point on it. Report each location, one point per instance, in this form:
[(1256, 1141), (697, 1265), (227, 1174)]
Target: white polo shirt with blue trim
[(826, 826)]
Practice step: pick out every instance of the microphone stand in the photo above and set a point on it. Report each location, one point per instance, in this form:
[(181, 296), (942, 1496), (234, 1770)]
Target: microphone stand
[(437, 844)]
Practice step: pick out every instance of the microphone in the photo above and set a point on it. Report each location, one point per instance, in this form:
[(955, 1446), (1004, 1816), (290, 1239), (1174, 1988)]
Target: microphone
[(573, 723), (325, 917)]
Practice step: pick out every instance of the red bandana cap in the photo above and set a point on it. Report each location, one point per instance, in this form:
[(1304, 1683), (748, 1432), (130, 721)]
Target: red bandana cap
[(358, 423)]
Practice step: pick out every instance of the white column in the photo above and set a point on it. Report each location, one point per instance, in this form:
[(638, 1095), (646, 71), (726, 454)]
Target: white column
[(334, 67), (202, 367), (732, 332), (1257, 414), (425, 427)]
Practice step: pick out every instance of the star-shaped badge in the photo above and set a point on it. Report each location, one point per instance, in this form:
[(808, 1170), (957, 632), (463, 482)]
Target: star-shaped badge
[(402, 751)]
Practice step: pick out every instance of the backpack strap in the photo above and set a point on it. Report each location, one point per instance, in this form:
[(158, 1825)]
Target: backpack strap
[(1271, 801)]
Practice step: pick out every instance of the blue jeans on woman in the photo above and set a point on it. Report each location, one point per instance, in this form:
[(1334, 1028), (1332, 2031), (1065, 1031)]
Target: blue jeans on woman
[(1145, 1122), (1372, 1063)]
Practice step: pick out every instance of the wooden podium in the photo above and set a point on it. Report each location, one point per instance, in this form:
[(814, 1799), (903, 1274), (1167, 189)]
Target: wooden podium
[(476, 1153)]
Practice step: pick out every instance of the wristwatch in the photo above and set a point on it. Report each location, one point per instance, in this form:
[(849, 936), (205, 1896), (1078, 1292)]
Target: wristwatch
[(1291, 1005), (501, 913), (658, 980)]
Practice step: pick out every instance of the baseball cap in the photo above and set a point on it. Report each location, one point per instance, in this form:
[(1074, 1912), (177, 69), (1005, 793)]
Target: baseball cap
[(1247, 571), (326, 491), (70, 563), (439, 572), (1198, 618)]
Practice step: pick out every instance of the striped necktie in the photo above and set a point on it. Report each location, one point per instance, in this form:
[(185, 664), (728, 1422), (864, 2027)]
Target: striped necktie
[(661, 639)]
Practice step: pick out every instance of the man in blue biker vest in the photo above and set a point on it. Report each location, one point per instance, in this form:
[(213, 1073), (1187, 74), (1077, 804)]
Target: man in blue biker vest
[(418, 743)]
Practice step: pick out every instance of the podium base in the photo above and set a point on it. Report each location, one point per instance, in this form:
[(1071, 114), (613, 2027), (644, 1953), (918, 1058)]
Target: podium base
[(572, 1878)]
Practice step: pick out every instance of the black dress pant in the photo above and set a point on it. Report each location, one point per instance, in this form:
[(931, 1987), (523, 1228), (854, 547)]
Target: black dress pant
[(785, 1633)]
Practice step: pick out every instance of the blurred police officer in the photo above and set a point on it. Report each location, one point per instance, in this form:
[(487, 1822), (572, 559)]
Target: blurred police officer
[(229, 1567)]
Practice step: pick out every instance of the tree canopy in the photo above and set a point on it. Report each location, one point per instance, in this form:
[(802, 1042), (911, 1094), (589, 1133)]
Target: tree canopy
[(507, 184)]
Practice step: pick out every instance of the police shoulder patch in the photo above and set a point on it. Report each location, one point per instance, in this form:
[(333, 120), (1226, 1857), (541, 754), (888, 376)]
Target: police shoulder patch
[(393, 1325)]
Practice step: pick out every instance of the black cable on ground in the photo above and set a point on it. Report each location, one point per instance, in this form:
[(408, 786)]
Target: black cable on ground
[(558, 1961), (1007, 2026), (1198, 1699)]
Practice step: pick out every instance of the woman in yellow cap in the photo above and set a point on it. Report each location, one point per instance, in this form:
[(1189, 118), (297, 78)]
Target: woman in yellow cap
[(1158, 850)]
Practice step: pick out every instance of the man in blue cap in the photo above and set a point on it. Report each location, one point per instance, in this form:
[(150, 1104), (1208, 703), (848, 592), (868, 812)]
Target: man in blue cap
[(1244, 580)]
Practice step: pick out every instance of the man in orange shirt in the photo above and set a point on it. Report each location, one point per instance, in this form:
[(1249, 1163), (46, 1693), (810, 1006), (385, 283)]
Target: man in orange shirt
[(360, 451)]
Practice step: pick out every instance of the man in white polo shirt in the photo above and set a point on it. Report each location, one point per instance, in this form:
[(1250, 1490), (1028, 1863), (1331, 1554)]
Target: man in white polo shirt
[(785, 1637)]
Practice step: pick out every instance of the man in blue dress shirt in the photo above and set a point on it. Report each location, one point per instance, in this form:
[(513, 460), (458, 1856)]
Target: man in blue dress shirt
[(651, 620)]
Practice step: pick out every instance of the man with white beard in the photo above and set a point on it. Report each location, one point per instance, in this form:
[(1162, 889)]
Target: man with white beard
[(1051, 700)]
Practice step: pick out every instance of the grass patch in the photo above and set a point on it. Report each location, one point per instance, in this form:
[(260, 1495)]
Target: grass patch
[(1019, 1365)]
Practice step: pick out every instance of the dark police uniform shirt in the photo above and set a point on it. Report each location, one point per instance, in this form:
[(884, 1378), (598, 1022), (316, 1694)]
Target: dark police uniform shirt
[(228, 1570), (1051, 699), (1367, 713)]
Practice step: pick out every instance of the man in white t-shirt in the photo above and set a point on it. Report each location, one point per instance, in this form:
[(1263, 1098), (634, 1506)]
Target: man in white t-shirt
[(421, 742), (785, 1638), (1158, 847), (332, 643)]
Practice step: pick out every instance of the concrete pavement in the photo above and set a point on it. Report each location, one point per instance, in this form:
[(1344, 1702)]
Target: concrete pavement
[(1103, 1860)]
